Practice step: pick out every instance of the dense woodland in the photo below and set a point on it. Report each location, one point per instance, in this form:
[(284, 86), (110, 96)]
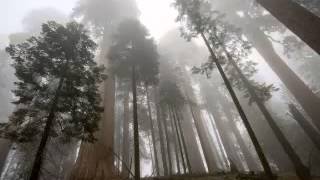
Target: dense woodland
[(233, 92)]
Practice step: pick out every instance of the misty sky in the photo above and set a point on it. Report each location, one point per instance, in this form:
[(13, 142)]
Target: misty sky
[(157, 15)]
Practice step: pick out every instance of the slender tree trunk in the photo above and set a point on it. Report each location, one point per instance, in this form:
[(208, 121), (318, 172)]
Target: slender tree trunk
[(243, 116), (203, 141), (152, 132), (301, 170), (225, 138), (135, 126), (162, 146), (168, 142), (125, 138), (190, 136), (252, 164), (183, 142), (36, 168), (306, 126), (151, 156), (174, 140), (299, 20), (217, 134), (178, 138), (5, 147)]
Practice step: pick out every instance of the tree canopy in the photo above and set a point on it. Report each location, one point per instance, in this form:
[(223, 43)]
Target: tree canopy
[(57, 64)]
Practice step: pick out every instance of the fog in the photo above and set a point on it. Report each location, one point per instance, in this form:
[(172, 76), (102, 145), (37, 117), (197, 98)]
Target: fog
[(189, 89)]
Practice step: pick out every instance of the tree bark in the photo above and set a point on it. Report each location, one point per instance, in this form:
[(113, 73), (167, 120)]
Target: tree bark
[(299, 20), (306, 126), (225, 138), (174, 139), (125, 138), (183, 142), (215, 131), (162, 146), (168, 142), (5, 147), (152, 132), (202, 137), (252, 164), (246, 123), (36, 167), (178, 138), (135, 126)]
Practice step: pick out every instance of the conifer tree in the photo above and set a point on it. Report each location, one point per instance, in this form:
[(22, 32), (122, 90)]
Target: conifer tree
[(134, 56), (57, 88), (195, 17)]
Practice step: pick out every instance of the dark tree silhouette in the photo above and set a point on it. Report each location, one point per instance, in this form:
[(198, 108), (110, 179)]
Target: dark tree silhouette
[(57, 84)]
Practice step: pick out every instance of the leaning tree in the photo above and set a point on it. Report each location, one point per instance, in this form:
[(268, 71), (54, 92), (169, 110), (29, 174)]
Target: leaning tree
[(195, 23)]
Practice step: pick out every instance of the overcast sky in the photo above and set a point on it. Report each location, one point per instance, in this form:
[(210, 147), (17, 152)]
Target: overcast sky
[(157, 15)]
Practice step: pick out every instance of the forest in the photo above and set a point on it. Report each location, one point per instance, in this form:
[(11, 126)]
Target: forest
[(160, 90)]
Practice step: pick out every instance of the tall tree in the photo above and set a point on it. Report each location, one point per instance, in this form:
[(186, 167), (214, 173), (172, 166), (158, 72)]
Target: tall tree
[(225, 42), (297, 19), (103, 16), (58, 84), (152, 129), (255, 25), (196, 23), (125, 135), (161, 134), (171, 96), (134, 55)]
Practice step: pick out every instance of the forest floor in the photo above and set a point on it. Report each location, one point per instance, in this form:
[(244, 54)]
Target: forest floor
[(224, 177)]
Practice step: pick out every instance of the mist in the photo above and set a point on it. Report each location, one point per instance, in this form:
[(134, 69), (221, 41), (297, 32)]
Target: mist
[(170, 89)]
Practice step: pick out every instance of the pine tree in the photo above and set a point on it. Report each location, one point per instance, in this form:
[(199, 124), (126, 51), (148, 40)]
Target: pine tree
[(195, 23), (57, 88), (134, 56)]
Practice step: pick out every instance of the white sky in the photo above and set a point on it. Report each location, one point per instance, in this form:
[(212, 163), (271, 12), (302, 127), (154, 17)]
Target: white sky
[(13, 11), (157, 15)]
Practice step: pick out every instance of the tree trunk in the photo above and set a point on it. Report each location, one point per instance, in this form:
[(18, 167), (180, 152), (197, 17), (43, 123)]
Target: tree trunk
[(174, 139), (178, 138), (299, 20), (135, 126), (225, 138), (301, 170), (36, 167), (162, 146), (168, 142), (306, 126), (125, 138), (190, 136), (252, 164), (215, 131), (202, 137), (246, 123), (184, 143), (152, 132), (5, 147), (303, 94), (96, 160)]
